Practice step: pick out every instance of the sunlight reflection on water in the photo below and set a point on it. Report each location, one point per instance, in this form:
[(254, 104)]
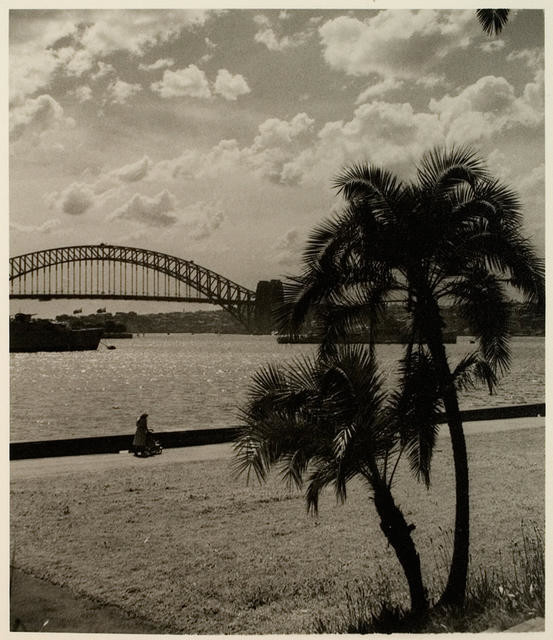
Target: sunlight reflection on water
[(187, 381)]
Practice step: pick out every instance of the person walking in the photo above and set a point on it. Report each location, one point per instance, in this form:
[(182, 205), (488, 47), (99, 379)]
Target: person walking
[(140, 440)]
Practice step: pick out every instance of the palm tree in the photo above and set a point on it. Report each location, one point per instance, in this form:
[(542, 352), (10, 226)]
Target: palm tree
[(453, 235), (325, 420), (492, 20)]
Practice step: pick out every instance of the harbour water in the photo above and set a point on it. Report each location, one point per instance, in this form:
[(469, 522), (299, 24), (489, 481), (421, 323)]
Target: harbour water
[(186, 381)]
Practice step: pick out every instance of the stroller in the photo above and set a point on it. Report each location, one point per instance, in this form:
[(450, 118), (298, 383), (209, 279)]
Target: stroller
[(152, 448)]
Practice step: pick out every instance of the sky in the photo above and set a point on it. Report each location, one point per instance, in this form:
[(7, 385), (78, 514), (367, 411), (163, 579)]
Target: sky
[(215, 135)]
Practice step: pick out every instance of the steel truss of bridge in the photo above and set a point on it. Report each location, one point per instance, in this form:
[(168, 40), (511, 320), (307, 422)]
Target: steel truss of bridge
[(116, 272)]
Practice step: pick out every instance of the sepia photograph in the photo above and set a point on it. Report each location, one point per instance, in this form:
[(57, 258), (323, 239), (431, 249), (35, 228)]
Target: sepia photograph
[(276, 319)]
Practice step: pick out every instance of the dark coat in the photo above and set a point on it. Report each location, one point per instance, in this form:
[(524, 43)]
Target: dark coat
[(141, 434)]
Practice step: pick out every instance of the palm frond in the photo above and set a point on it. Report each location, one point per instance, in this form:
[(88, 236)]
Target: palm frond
[(483, 304), (314, 413), (504, 201), (367, 183), (414, 408), (492, 21), (473, 370), (322, 475), (441, 169)]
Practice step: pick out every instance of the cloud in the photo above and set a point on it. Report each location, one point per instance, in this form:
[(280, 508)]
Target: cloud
[(378, 89), (267, 35), (492, 45), (104, 70), (431, 80), (277, 143), (229, 86), (288, 248), (190, 82), (488, 106), (391, 134), (270, 40), (136, 31), (533, 58), (291, 152), (83, 93), (193, 82), (194, 164), (135, 171), (75, 200), (120, 91), (201, 219), (398, 43), (151, 212), (32, 61), (162, 63), (38, 115), (46, 227), (87, 36)]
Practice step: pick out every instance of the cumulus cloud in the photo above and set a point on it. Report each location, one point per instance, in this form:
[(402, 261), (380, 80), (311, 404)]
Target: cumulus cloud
[(391, 134), (488, 106), (276, 144), (229, 86), (135, 171), (162, 63), (183, 82), (75, 200), (89, 36), (267, 35), (193, 82), (152, 212), (269, 39), (379, 88), (397, 43), (38, 115), (292, 151), (120, 91)]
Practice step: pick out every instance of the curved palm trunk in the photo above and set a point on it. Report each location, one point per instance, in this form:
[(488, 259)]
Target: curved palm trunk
[(454, 593), (398, 534)]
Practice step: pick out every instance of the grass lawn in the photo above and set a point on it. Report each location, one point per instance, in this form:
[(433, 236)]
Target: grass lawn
[(193, 550)]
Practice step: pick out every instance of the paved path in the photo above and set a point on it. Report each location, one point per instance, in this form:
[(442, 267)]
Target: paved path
[(40, 467)]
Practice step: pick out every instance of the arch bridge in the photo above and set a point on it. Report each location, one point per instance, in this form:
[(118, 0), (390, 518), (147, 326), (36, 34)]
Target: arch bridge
[(128, 273)]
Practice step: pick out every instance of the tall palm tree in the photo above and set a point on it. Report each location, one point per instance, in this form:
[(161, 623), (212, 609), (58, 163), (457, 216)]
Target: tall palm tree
[(492, 20), (453, 235), (326, 420)]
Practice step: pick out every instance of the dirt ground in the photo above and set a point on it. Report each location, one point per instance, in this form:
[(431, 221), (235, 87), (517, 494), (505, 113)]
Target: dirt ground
[(178, 541)]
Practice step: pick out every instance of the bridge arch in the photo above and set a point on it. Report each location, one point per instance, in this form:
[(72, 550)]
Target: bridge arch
[(118, 272)]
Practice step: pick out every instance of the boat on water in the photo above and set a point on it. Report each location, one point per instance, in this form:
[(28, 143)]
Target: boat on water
[(29, 335)]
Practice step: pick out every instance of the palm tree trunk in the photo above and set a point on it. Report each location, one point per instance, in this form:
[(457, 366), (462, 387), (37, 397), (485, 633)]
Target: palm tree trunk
[(454, 593), (398, 534)]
